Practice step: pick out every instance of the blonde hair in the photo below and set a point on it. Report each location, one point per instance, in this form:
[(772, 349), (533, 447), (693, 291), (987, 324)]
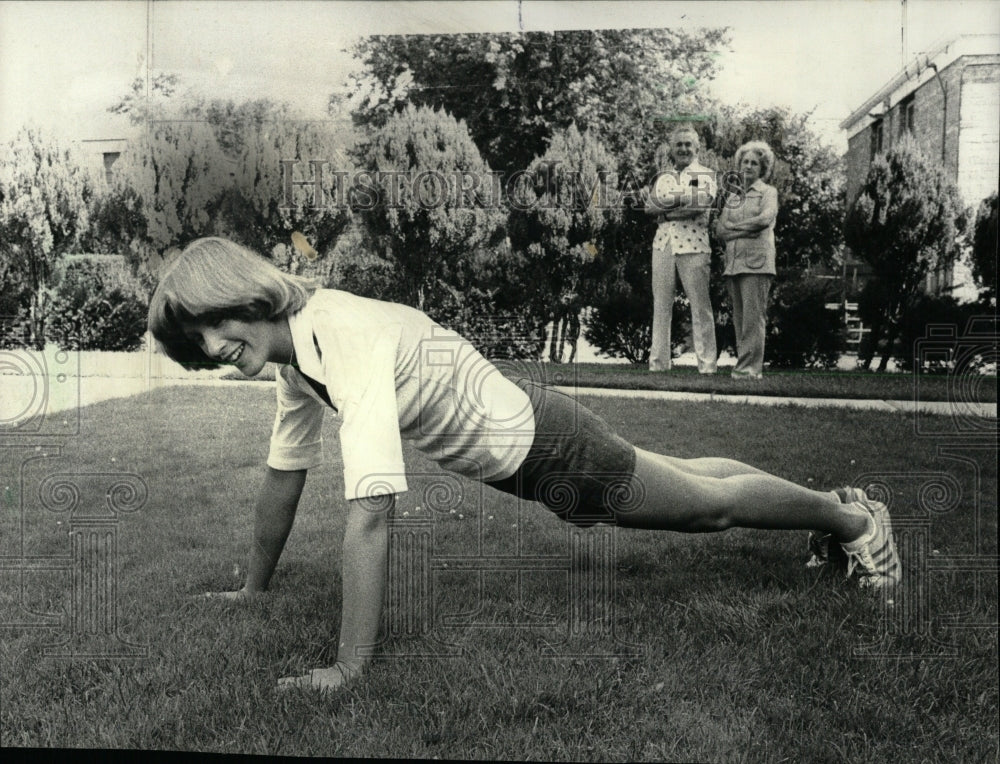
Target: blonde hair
[(213, 280), (764, 154)]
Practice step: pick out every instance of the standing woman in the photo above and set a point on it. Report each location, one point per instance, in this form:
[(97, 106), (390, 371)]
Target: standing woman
[(746, 224)]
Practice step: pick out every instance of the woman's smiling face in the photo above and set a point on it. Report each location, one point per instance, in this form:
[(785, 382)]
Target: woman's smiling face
[(245, 345), (750, 167)]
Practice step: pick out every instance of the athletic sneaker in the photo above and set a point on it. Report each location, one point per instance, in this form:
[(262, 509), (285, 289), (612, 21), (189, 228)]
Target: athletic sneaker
[(874, 554), (820, 550)]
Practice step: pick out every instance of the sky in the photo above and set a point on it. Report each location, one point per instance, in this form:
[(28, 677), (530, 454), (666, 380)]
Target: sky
[(63, 63)]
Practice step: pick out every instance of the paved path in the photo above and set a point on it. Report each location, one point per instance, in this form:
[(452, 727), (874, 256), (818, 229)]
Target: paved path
[(73, 380), (53, 381), (23, 398), (949, 408)]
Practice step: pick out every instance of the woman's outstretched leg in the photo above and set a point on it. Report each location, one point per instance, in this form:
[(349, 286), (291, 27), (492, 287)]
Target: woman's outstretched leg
[(709, 466), (699, 496), (703, 495)]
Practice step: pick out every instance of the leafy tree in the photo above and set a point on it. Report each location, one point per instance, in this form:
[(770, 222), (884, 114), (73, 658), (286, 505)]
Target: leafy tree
[(906, 222), (143, 104), (808, 175), (555, 226), (514, 91), (985, 245), (44, 198), (412, 204)]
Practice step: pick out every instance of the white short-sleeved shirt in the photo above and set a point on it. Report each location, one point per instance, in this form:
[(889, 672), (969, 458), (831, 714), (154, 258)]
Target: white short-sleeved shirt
[(393, 373), (691, 235)]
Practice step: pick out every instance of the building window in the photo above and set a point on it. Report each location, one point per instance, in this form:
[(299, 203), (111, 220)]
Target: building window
[(906, 115), (876, 134), (110, 157)]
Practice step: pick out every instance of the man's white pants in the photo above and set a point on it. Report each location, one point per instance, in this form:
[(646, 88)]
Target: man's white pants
[(694, 271)]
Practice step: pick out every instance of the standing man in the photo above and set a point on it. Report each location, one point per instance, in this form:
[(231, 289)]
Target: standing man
[(681, 199)]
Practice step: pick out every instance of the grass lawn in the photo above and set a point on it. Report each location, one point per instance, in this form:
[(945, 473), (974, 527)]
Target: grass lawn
[(800, 383), (739, 653)]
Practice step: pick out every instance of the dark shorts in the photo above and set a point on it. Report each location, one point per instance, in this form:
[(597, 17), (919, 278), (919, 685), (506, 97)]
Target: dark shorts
[(577, 465)]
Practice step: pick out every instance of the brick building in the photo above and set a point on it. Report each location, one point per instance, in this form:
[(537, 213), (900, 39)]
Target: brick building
[(948, 99)]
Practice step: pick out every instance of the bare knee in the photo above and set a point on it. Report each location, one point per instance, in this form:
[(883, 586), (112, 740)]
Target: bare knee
[(707, 508), (673, 499), (708, 518)]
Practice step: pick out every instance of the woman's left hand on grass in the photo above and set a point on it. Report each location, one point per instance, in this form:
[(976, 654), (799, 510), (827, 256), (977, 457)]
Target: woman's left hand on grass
[(240, 595), (325, 679)]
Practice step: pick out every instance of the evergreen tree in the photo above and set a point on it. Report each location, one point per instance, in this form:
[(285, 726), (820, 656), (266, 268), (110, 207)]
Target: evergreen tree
[(555, 226), (263, 202), (242, 170), (44, 198), (166, 190), (907, 221), (418, 202)]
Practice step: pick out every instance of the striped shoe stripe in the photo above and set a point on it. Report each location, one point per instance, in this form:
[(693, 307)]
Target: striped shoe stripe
[(890, 554), (884, 559)]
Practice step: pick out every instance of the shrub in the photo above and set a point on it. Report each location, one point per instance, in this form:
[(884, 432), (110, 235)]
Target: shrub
[(944, 312), (15, 329), (482, 301), (94, 307), (470, 305), (620, 295), (801, 332), (621, 323), (12, 300), (474, 315), (984, 246), (369, 276)]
